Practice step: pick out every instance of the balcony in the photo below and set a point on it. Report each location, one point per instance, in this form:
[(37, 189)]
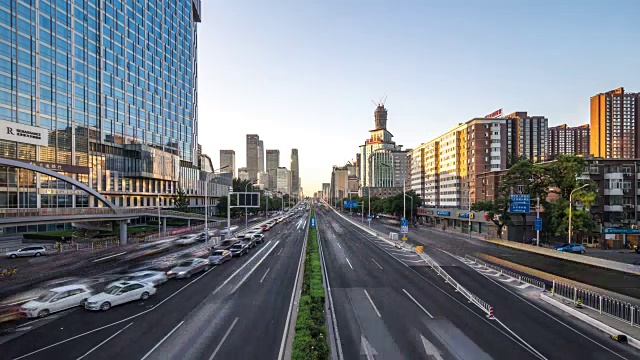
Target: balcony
[(615, 175), (618, 192), (613, 208)]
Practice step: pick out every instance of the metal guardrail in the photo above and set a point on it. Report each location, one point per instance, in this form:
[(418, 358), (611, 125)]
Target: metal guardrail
[(521, 278), (607, 305)]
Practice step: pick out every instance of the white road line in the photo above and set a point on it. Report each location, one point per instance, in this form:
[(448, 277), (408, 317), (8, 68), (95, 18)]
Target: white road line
[(376, 263), (348, 262), (337, 341), (102, 343), (417, 303), (223, 339), (265, 274), (163, 339), (279, 251), (414, 260), (339, 245), (372, 304), (110, 256), (255, 266)]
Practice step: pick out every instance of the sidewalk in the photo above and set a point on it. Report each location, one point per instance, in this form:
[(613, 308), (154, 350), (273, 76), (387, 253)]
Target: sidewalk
[(603, 322)]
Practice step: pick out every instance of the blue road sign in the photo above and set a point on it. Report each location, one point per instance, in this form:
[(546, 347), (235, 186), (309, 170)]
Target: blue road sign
[(313, 222), (538, 224), (369, 217), (351, 204), (520, 203), (404, 226)]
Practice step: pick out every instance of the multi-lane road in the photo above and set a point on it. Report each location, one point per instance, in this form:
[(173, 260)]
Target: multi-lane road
[(389, 305), (237, 310)]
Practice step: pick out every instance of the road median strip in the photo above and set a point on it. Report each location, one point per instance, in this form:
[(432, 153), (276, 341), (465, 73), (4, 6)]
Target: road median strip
[(310, 341)]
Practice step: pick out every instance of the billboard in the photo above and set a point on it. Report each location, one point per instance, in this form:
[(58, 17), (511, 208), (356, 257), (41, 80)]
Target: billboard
[(495, 114)]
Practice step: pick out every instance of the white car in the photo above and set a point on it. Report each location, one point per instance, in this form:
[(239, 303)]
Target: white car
[(27, 251), (186, 239), (56, 299), (119, 293), (154, 277)]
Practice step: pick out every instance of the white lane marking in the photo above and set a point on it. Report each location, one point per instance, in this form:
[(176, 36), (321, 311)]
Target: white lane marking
[(417, 303), (430, 349), (536, 352), (102, 343), (348, 262), (376, 263), (279, 251), (339, 245), (523, 286), (420, 260), (163, 339), (223, 339), (110, 256), (372, 304), (151, 309), (293, 295), (265, 274), (255, 266), (508, 280)]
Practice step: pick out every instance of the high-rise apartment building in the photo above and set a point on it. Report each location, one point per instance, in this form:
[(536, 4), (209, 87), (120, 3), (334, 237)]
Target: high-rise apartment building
[(273, 163), (261, 167), (416, 162), (110, 91), (228, 161), (530, 136), (283, 181), (614, 125), (326, 191), (564, 140), (253, 156), (295, 173)]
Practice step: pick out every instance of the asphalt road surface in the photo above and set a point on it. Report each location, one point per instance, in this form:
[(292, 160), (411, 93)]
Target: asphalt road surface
[(237, 310), (390, 305)]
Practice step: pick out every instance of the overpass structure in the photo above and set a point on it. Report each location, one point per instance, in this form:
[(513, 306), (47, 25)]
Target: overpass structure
[(38, 216)]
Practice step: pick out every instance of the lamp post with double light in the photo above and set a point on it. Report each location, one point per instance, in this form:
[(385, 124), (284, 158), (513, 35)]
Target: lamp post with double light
[(570, 206)]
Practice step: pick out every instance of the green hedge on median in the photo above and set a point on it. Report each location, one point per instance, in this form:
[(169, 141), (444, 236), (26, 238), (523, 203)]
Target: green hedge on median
[(310, 342)]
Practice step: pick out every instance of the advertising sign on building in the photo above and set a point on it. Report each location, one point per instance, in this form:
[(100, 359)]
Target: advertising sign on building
[(495, 114), (24, 133)]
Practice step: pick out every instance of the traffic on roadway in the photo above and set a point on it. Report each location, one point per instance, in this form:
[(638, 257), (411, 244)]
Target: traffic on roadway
[(129, 308)]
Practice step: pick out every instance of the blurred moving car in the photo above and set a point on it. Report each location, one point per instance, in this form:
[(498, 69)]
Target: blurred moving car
[(250, 242), (220, 256), (189, 267), (56, 299), (186, 239), (266, 227), (119, 293), (27, 251), (572, 248), (153, 277), (239, 249), (259, 238)]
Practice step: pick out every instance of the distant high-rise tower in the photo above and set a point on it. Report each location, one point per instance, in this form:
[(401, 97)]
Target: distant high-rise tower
[(614, 125), (253, 156), (273, 163), (381, 117), (261, 156), (295, 173), (228, 161)]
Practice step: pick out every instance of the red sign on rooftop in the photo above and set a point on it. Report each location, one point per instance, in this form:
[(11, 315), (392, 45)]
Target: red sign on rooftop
[(495, 114)]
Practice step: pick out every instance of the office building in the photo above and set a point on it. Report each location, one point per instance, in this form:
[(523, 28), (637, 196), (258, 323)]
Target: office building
[(326, 191), (564, 140), (109, 93), (614, 125), (243, 173), (530, 136), (253, 156), (261, 167), (228, 161), (273, 163), (295, 173), (283, 181), (416, 163)]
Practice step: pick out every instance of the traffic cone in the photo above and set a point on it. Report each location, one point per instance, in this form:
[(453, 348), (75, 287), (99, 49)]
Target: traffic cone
[(490, 315), (579, 304)]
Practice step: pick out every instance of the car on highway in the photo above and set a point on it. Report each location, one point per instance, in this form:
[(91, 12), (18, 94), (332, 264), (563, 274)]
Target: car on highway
[(239, 249), (119, 293), (249, 241), (572, 248), (153, 277), (186, 239), (218, 257), (266, 227), (27, 251), (226, 244), (259, 238), (189, 267), (56, 299)]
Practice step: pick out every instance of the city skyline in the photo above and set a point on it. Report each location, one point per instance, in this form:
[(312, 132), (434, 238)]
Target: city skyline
[(434, 79)]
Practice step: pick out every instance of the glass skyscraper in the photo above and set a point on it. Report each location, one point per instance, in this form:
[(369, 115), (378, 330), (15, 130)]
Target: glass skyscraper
[(112, 87)]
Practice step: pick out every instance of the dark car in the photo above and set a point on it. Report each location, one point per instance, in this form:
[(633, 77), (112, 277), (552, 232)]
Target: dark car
[(250, 242), (239, 249), (226, 244), (219, 256)]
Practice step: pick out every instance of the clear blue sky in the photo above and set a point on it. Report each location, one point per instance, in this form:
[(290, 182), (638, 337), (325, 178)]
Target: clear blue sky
[(303, 73)]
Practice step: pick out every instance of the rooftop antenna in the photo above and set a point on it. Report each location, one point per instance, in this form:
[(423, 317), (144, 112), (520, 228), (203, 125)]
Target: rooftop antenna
[(381, 101)]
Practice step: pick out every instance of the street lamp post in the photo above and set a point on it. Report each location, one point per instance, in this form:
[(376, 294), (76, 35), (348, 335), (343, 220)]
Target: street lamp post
[(159, 231), (570, 207), (410, 197), (206, 203), (470, 212), (246, 208)]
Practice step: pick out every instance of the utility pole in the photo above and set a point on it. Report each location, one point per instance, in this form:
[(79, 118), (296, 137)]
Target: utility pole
[(229, 212), (537, 217)]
